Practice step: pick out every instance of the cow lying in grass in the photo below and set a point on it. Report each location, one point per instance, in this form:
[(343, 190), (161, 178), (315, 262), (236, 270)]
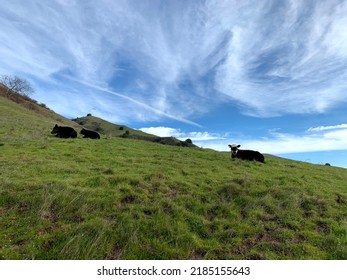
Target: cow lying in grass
[(64, 131), (90, 134), (245, 154)]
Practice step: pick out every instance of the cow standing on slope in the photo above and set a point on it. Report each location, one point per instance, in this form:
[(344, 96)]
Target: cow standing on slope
[(245, 154)]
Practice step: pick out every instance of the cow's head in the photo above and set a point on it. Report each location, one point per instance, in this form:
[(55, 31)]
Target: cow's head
[(234, 148), (55, 129)]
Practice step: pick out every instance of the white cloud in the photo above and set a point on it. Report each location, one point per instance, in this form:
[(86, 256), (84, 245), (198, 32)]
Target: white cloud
[(284, 143), (162, 131), (285, 59), (177, 133), (203, 136), (329, 127), (184, 58)]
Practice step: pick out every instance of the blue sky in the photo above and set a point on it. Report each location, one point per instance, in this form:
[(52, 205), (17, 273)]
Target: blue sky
[(269, 75)]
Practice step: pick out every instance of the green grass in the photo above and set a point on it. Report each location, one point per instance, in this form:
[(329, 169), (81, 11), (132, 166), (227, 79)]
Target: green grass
[(109, 129), (128, 199)]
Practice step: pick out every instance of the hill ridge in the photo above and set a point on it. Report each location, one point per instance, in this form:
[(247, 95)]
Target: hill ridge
[(35, 107), (100, 125), (115, 130)]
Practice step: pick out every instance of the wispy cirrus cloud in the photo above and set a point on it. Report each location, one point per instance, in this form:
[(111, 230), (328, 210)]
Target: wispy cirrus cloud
[(297, 67), (136, 102), (328, 127), (179, 58)]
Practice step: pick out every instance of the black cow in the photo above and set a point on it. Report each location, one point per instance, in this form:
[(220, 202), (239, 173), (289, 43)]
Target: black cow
[(245, 154), (90, 134), (64, 131)]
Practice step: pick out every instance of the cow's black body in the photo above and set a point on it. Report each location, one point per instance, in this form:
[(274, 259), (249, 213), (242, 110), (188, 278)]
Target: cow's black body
[(90, 134), (64, 131), (245, 154)]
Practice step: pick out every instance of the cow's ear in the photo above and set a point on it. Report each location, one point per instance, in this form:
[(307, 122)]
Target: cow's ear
[(238, 146), (229, 146)]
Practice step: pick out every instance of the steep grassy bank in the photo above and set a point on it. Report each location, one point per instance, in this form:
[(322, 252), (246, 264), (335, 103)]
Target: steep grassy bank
[(128, 199)]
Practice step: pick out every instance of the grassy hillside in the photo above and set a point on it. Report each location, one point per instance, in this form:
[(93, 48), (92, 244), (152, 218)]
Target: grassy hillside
[(108, 129), (31, 122), (115, 130), (19, 108), (119, 198)]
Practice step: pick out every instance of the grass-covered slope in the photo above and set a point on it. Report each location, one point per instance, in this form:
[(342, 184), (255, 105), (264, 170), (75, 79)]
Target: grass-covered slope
[(27, 121), (124, 199), (108, 129), (114, 130)]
